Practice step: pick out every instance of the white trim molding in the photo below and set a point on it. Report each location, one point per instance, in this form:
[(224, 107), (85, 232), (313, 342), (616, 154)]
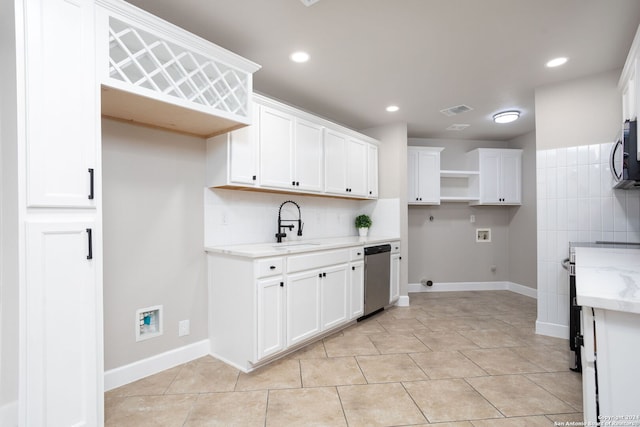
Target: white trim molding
[(552, 329), (117, 377), (475, 286), (403, 301)]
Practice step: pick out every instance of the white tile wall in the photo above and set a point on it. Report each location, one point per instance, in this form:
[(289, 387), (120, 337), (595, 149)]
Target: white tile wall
[(238, 217), (576, 203)]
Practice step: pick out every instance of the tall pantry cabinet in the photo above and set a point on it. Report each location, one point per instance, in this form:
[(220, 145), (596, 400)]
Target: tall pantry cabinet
[(59, 182)]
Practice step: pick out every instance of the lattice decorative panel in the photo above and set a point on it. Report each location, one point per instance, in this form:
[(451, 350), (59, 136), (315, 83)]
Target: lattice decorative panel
[(144, 60)]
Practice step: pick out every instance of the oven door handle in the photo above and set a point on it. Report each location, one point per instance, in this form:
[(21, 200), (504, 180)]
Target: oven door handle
[(565, 264)]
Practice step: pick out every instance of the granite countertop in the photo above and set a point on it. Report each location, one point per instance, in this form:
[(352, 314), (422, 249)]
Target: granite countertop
[(260, 250), (608, 278)]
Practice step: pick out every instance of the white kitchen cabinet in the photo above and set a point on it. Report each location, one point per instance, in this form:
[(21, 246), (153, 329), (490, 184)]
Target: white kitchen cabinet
[(270, 317), (499, 179), (308, 156), (356, 284), (303, 306), (276, 148), (155, 73), (334, 294), (232, 158), (62, 368), (394, 280), (61, 98), (612, 365), (372, 171), (345, 165), (423, 177)]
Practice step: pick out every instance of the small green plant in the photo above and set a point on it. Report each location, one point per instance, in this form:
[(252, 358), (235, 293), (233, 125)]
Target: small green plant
[(363, 221)]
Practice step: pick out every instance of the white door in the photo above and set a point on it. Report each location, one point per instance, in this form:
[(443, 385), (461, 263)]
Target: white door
[(61, 101), (357, 168), (510, 179), (489, 176), (334, 291), (372, 171), (335, 162), (394, 291), (308, 156), (276, 149), (303, 306), (63, 350), (428, 177), (356, 290), (244, 153), (270, 317)]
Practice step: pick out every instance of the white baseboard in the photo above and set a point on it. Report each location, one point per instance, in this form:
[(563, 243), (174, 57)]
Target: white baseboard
[(9, 414), (403, 301), (552, 329), (475, 286), (117, 377)]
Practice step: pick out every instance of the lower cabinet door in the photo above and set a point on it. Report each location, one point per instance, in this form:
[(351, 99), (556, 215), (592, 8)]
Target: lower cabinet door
[(63, 329), (356, 290), (394, 291), (270, 317), (303, 306), (334, 291)]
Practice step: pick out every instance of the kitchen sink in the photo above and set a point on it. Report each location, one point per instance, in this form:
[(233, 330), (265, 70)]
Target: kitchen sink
[(295, 245)]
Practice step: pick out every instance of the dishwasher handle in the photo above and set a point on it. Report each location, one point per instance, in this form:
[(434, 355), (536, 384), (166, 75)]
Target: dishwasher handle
[(372, 250)]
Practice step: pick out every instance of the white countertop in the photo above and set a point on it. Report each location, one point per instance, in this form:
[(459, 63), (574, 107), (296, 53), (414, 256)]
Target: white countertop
[(608, 278), (259, 250)]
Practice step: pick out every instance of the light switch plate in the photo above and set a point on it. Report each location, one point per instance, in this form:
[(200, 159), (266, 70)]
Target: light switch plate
[(183, 328)]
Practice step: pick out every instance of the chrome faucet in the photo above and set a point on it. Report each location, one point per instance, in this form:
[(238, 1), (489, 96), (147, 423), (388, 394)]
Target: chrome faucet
[(280, 234)]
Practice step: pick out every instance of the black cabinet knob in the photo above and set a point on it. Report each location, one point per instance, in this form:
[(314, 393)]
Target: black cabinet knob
[(353, 268), (254, 177), (281, 284), (273, 267)]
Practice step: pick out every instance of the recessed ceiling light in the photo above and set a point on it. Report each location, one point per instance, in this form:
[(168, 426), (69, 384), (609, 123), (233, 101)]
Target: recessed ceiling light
[(392, 108), (506, 116), (299, 56), (556, 62)]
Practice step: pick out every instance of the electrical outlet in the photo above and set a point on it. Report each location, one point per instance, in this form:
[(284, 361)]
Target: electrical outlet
[(183, 328)]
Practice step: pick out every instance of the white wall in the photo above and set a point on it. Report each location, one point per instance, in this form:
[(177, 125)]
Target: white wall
[(576, 204), (153, 237)]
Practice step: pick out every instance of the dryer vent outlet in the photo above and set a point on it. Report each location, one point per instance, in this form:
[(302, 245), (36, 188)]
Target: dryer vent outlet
[(425, 282)]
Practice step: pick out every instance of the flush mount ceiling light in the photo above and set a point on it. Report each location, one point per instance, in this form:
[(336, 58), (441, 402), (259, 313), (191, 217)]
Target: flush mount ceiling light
[(392, 108), (299, 57), (506, 116), (556, 62)]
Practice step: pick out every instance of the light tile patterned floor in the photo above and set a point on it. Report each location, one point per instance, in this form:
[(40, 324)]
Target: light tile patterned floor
[(459, 359)]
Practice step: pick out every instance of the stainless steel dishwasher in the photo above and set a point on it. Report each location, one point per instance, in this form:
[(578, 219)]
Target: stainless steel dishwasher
[(376, 278)]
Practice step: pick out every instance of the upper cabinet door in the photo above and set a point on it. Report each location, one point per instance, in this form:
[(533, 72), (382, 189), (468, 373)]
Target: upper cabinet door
[(429, 176), (490, 176), (243, 153), (511, 181), (276, 148), (308, 156), (61, 101), (372, 171), (335, 162), (357, 171)]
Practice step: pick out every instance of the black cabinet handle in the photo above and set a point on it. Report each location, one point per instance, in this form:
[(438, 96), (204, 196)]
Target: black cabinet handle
[(293, 183), (90, 243), (297, 183), (359, 253), (353, 268), (324, 274), (320, 275), (370, 192), (399, 257), (282, 284), (254, 177), (90, 183), (273, 267)]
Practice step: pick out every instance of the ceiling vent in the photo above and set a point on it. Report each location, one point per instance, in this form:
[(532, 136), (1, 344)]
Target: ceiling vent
[(309, 2), (461, 126), (458, 109)]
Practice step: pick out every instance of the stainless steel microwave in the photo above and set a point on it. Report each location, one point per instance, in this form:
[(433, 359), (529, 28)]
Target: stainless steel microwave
[(625, 166)]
